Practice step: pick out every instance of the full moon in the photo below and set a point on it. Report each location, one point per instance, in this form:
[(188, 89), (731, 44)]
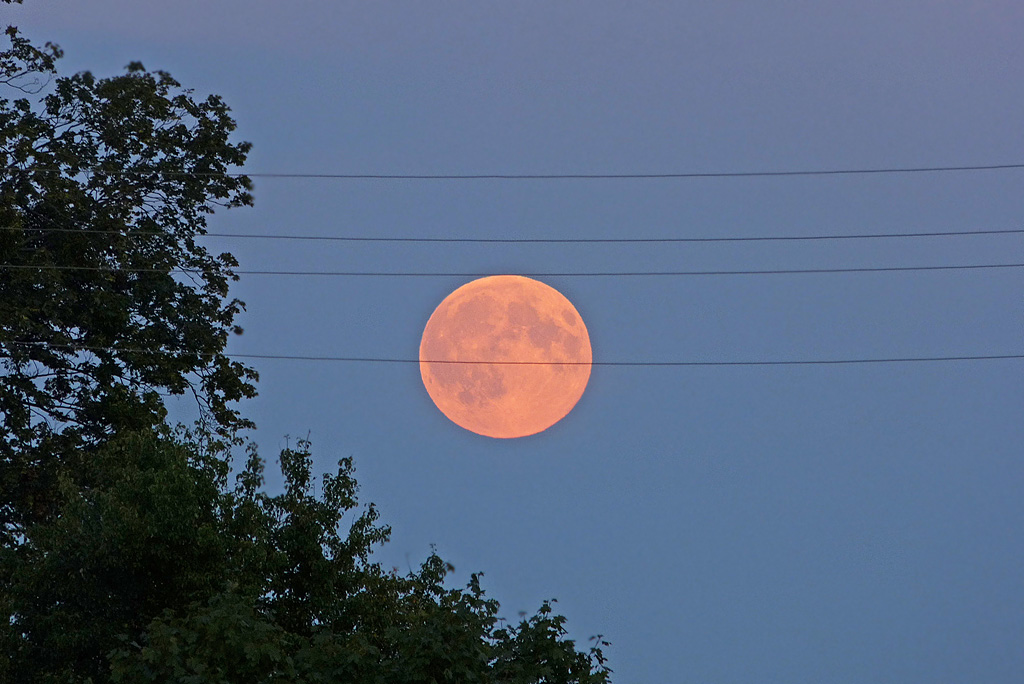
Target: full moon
[(505, 356)]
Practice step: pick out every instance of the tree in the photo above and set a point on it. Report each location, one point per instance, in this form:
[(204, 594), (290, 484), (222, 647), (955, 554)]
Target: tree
[(178, 577), (107, 299), (127, 552), (143, 537)]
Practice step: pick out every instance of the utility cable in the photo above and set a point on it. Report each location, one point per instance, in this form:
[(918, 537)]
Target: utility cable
[(395, 360), (346, 238), (542, 176), (591, 274)]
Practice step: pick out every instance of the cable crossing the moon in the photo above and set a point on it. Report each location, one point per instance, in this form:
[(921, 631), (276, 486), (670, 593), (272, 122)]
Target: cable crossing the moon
[(400, 360)]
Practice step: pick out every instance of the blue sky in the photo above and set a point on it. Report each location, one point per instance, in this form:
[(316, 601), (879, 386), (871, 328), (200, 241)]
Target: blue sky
[(718, 525)]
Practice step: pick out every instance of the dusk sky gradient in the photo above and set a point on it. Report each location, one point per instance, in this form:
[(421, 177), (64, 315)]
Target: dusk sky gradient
[(718, 525)]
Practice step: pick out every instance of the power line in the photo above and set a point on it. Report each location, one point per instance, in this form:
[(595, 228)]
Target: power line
[(547, 176), (818, 362), (592, 274), (396, 360), (345, 238)]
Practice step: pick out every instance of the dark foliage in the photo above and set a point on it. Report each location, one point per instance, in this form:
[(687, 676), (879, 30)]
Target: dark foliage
[(163, 573), (107, 299), (127, 551)]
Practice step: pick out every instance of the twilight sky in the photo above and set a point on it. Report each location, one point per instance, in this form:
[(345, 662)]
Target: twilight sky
[(718, 525)]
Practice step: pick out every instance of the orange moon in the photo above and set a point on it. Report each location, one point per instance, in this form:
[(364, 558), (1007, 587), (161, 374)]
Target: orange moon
[(534, 347)]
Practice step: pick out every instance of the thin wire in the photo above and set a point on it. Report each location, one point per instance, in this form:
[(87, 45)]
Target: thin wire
[(549, 176), (369, 359), (593, 274), (863, 236)]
